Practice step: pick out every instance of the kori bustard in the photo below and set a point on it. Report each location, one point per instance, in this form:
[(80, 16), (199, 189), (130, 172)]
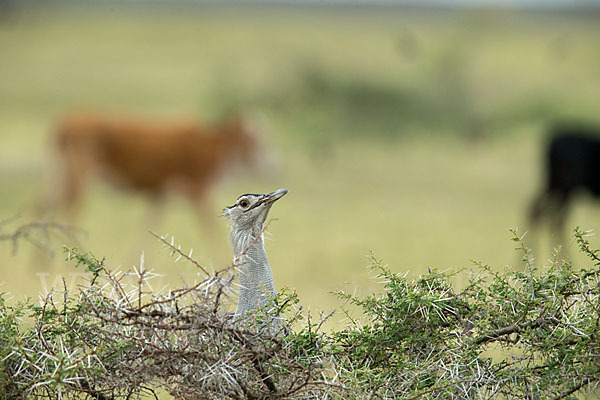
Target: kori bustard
[(246, 218)]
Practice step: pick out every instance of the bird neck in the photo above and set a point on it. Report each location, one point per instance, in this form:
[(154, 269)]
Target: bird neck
[(255, 277)]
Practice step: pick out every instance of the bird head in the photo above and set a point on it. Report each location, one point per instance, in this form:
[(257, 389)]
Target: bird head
[(250, 210)]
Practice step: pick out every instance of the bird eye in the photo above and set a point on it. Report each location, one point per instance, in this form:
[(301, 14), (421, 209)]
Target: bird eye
[(244, 203)]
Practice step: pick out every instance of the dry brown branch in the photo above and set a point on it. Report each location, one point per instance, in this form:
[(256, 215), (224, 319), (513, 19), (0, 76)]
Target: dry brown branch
[(119, 340), (177, 251)]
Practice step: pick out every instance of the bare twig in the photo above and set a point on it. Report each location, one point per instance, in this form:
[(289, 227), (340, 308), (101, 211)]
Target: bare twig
[(47, 229)]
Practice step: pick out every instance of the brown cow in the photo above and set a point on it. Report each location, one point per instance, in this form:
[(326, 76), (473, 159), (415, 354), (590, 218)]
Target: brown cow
[(151, 157)]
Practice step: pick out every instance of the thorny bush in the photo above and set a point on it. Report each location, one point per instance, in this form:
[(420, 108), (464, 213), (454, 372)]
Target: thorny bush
[(528, 333)]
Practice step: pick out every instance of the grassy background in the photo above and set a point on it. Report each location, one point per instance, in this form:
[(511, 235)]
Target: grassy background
[(412, 133)]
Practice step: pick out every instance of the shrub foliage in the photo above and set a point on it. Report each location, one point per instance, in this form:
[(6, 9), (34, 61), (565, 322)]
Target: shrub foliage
[(527, 333)]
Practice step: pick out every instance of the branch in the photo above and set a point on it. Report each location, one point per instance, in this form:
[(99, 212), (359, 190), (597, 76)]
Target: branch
[(574, 389), (177, 250), (508, 330), (48, 229)]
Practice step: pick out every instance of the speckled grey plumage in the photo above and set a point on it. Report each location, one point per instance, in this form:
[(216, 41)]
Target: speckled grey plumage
[(247, 217), (256, 278)]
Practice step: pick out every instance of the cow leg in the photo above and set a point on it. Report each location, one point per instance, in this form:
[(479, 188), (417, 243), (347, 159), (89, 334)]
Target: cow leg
[(538, 211), (151, 221), (550, 206), (538, 208), (75, 178), (212, 231), (559, 211), (153, 218), (205, 213)]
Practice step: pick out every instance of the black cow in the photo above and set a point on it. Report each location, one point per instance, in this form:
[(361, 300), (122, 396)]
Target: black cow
[(572, 166)]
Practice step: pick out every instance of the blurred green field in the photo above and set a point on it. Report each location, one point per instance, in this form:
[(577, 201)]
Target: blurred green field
[(412, 133)]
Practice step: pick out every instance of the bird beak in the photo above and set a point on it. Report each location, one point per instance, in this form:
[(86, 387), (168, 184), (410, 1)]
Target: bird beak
[(272, 197)]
